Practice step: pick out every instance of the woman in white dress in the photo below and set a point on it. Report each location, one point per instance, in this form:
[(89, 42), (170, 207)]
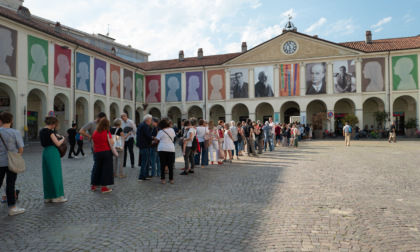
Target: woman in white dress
[(228, 145)]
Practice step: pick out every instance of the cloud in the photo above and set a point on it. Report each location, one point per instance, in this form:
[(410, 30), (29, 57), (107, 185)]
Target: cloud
[(256, 4), (382, 22), (341, 27), (318, 24), (285, 15), (408, 18), (255, 32), (378, 30)]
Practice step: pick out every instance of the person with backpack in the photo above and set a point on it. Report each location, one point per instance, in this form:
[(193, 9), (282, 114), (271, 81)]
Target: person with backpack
[(189, 138), (347, 133), (79, 141)]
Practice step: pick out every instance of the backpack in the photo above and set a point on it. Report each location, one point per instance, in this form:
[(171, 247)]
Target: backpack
[(350, 129), (79, 137)]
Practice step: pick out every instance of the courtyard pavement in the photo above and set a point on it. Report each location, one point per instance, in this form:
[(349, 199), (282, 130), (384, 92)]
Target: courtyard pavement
[(321, 197)]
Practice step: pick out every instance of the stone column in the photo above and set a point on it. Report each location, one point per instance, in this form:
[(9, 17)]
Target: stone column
[(227, 83), (302, 79), (388, 90), (329, 78), (358, 62), (276, 81), (183, 94), (162, 94), (251, 84), (91, 101)]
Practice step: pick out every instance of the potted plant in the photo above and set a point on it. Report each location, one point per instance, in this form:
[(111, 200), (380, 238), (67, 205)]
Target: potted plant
[(380, 118), (352, 120), (410, 127), (318, 122)]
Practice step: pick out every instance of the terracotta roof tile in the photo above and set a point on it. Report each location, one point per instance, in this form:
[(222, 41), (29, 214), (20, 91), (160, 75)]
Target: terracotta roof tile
[(187, 62), (12, 15), (382, 45)]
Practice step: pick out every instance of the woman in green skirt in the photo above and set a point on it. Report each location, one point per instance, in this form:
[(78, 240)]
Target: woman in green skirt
[(51, 162)]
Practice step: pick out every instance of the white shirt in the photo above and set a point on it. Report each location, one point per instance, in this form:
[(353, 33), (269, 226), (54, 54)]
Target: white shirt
[(201, 131), (166, 142), (273, 127), (131, 124), (193, 132)]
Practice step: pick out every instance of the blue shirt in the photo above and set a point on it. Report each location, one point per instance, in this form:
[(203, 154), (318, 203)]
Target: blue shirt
[(13, 140)]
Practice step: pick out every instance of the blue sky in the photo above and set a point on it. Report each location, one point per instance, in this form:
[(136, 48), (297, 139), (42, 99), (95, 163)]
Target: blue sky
[(163, 27)]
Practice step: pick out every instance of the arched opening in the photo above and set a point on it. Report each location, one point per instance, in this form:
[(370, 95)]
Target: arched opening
[(195, 111), (342, 108), (313, 108), (82, 115), (114, 111), (155, 112), (371, 106), (240, 112), (217, 112), (139, 116), (37, 109), (98, 106), (8, 101), (62, 112), (128, 111), (290, 112), (404, 108), (263, 112), (174, 113)]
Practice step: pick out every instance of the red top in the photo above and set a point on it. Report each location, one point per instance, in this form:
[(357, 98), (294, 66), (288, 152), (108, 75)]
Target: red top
[(100, 141), (277, 130)]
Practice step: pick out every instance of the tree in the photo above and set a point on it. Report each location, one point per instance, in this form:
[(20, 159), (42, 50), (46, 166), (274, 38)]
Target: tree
[(319, 119), (352, 119), (380, 118)]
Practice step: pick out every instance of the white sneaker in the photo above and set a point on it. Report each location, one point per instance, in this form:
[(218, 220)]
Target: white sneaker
[(76, 157), (59, 200), (16, 211), (47, 200)]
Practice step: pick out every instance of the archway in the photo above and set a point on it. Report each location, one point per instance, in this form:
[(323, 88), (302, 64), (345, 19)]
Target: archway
[(128, 111), (240, 112), (195, 111), (155, 112), (371, 106), (404, 108), (312, 109), (342, 108), (290, 112), (62, 112), (263, 112), (8, 101), (114, 111), (217, 112), (174, 113), (98, 106), (82, 115), (37, 109)]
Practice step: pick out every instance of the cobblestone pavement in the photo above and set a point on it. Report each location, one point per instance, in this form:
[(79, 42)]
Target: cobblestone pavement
[(322, 196)]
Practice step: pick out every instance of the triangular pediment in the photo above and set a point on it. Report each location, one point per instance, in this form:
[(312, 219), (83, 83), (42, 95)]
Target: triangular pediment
[(307, 48)]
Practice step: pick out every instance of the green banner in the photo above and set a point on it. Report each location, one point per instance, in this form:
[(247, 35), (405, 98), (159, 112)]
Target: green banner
[(37, 59)]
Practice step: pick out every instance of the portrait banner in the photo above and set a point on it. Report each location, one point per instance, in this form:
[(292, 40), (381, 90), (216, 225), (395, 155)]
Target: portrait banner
[(344, 73), (194, 86), (82, 72), (315, 78), (114, 76), (128, 84), (62, 66), (216, 84), (289, 79), (373, 76), (139, 87), (153, 90), (404, 72), (173, 87), (37, 59), (8, 42), (263, 77), (100, 76), (239, 86)]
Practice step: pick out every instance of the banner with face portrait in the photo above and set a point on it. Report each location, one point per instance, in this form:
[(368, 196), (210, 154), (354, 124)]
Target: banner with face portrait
[(289, 79), (216, 84), (404, 72), (100, 76), (315, 78), (344, 73), (263, 79), (128, 85), (239, 87), (194, 86), (139, 87), (82, 72), (114, 77), (8, 40), (153, 88), (173, 87), (62, 66), (373, 76), (37, 59)]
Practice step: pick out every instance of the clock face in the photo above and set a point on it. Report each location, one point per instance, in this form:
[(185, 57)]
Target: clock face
[(289, 47)]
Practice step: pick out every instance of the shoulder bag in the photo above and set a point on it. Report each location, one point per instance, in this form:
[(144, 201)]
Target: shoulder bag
[(114, 151), (118, 143), (62, 149), (16, 162)]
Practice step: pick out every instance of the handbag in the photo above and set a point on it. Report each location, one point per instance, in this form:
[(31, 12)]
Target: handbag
[(155, 143), (62, 149), (113, 150), (118, 144), (16, 162)]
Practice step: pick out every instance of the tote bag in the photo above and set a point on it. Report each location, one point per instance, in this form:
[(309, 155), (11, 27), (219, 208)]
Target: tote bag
[(16, 162)]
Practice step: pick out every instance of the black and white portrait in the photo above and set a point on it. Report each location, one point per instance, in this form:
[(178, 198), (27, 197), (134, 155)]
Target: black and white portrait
[(315, 78), (263, 81), (239, 83), (7, 51), (344, 73)]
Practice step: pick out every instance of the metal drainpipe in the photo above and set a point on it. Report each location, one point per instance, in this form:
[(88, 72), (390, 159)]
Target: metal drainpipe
[(135, 108), (74, 84), (205, 94)]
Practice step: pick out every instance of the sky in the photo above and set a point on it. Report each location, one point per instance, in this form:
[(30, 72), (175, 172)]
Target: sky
[(164, 27)]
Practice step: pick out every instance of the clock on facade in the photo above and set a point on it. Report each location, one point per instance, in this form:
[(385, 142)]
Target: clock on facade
[(290, 47)]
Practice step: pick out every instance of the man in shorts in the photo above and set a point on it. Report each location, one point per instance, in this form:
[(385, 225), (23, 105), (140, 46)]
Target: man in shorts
[(392, 133)]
